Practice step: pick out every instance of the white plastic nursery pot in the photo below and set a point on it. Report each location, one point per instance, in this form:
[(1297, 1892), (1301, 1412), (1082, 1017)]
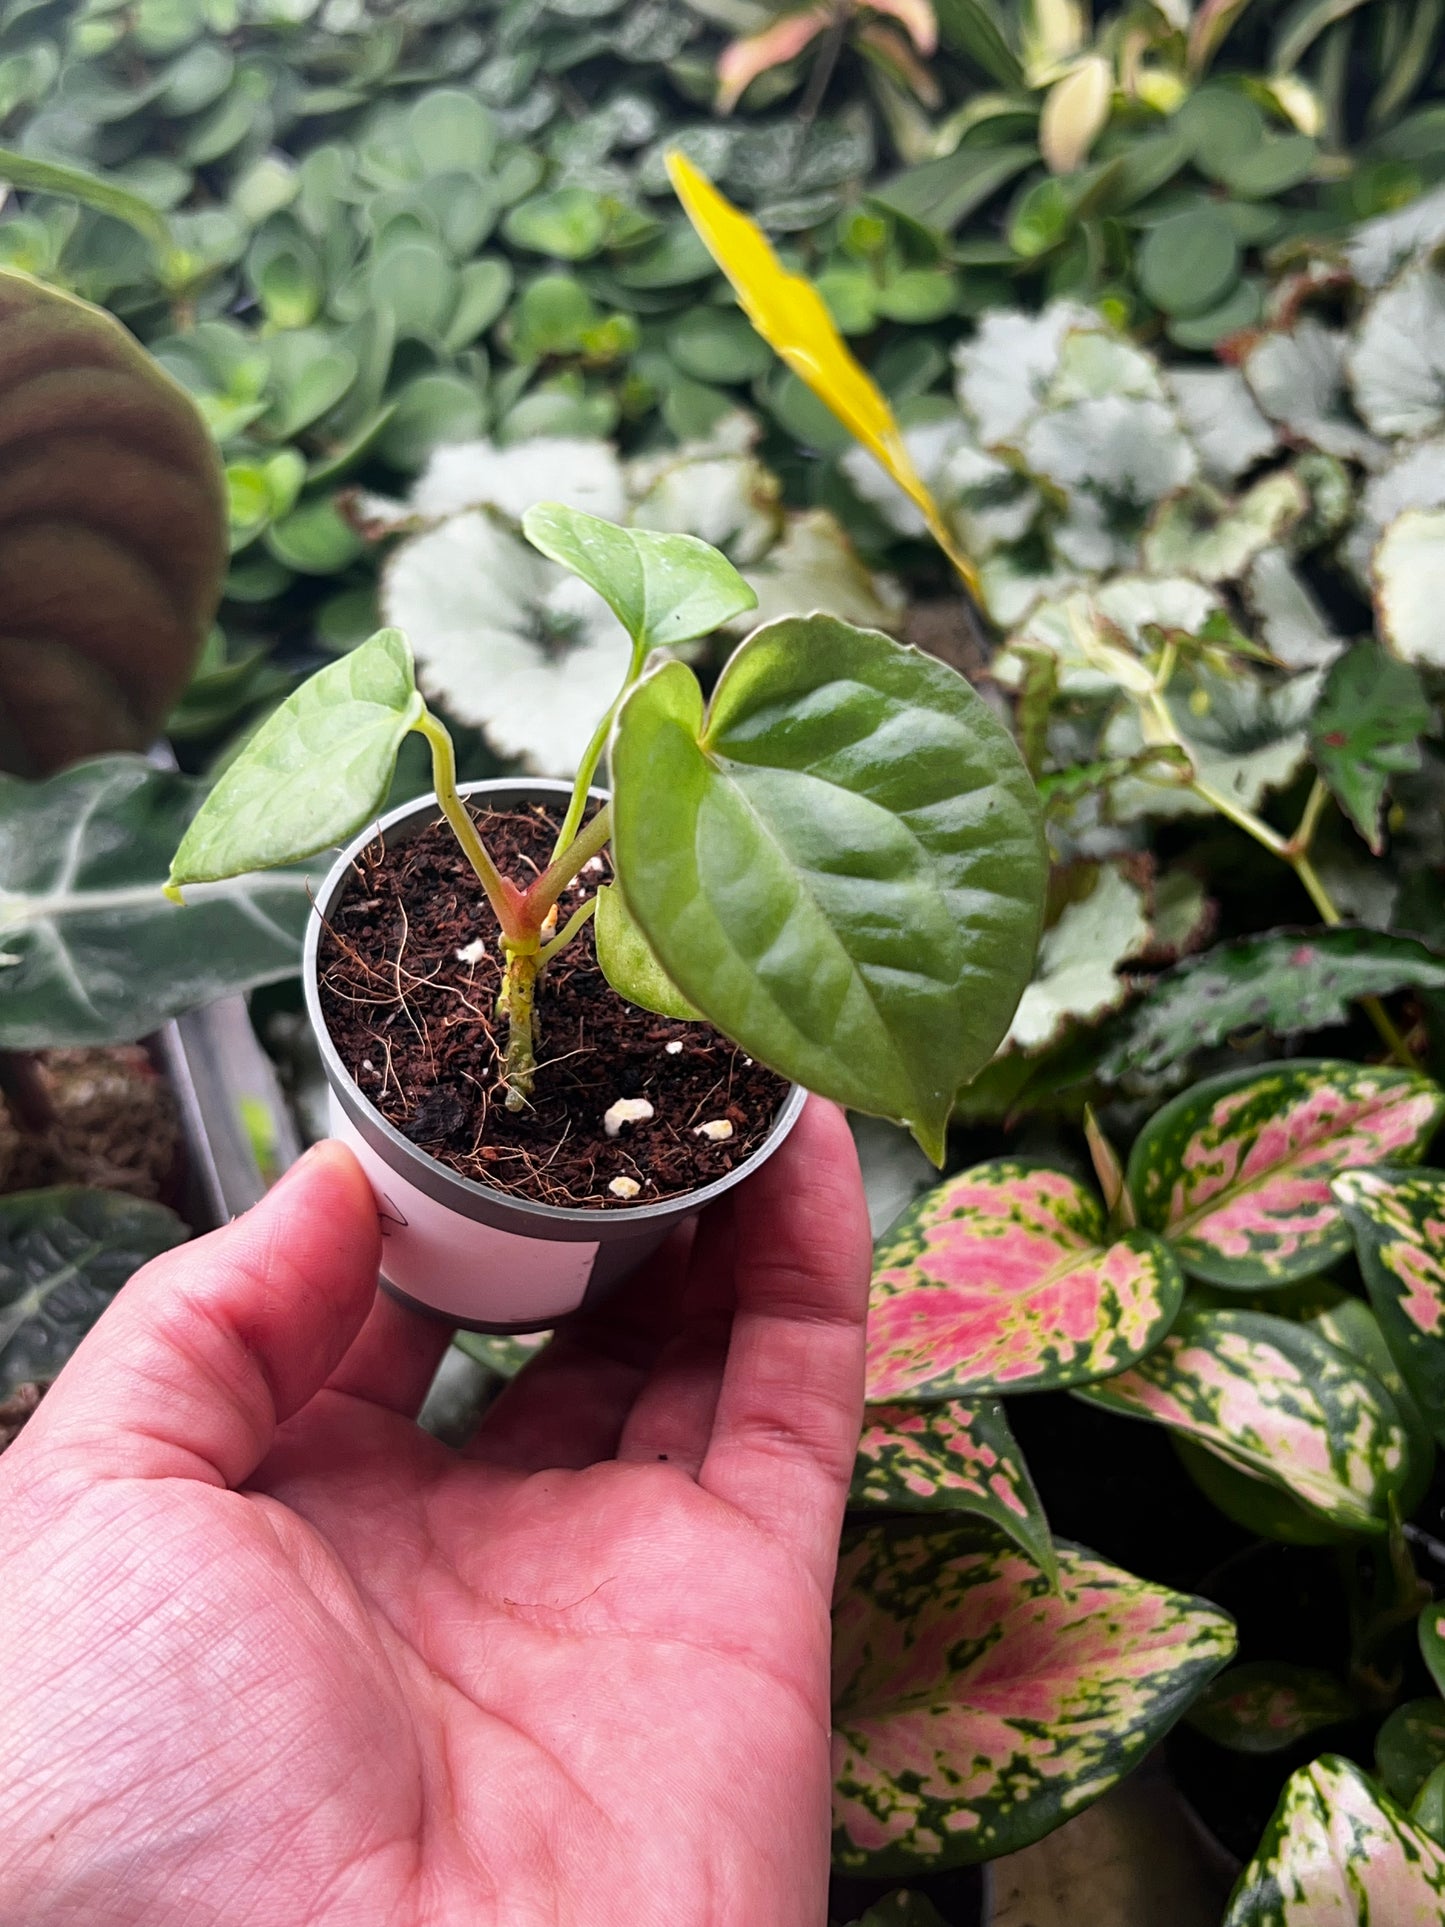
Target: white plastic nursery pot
[(476, 1256)]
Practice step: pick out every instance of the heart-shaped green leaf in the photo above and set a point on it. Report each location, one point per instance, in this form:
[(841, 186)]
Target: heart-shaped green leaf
[(1236, 1172), (1398, 1221), (975, 1707), (1005, 1279), (1267, 1705), (317, 768), (1409, 1747), (629, 965), (663, 589), (841, 865), (90, 950), (1339, 1850), (959, 1456), (64, 1254), (1275, 1399)]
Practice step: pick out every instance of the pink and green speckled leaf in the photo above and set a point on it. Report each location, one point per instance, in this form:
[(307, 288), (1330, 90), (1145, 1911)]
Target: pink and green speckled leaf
[(1276, 1400), (1398, 1220), (1267, 1704), (1004, 1279), (1338, 1852), (959, 1456), (975, 1708), (1236, 1171)]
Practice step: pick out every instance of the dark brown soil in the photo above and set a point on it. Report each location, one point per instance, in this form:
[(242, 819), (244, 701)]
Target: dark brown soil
[(416, 1025), (99, 1116)]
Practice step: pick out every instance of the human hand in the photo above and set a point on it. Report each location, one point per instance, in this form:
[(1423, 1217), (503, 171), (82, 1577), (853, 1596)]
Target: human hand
[(273, 1657)]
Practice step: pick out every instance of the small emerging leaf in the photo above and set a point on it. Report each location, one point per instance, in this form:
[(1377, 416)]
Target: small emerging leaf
[(313, 773), (663, 589), (628, 964), (1236, 1172), (1398, 1221), (1004, 1279)]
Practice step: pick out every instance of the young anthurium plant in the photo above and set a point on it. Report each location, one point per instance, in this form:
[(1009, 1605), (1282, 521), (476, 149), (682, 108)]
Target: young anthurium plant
[(837, 861)]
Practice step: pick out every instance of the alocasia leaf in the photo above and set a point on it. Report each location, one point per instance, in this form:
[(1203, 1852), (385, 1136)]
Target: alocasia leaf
[(1267, 1705), (1339, 1851), (64, 1253), (627, 962), (959, 1456), (663, 589), (1409, 1747), (1287, 982), (1276, 1400), (90, 950), (1367, 728), (1398, 1221), (840, 864), (975, 1707), (1236, 1172), (315, 770), (1005, 1279)]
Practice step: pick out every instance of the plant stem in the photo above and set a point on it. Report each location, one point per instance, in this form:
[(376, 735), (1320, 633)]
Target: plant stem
[(505, 898), (517, 1004), (561, 870), (568, 931), (592, 755)]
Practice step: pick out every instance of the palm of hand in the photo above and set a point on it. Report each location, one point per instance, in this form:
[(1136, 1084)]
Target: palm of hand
[(389, 1683)]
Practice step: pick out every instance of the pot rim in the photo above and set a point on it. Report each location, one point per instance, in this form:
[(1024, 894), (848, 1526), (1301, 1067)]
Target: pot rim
[(483, 1202)]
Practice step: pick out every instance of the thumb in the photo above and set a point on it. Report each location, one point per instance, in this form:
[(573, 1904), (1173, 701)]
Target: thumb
[(209, 1347)]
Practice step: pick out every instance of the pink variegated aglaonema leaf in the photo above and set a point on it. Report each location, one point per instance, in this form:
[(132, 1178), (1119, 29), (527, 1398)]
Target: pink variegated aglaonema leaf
[(1005, 1279), (1236, 1171), (1338, 1852), (1267, 1705), (975, 1708), (958, 1456), (1398, 1221), (1278, 1401)]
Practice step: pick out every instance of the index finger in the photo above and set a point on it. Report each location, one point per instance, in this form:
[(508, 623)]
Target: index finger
[(786, 1428)]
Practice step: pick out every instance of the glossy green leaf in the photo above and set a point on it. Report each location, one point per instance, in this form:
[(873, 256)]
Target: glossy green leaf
[(1366, 730), (313, 773), (663, 589), (1236, 1172), (1338, 1850), (1005, 1278), (64, 1253), (975, 1708), (1287, 982), (629, 965), (1409, 1747), (1276, 1400), (1267, 1705), (957, 1456), (90, 950), (1189, 262), (1398, 1221), (848, 875)]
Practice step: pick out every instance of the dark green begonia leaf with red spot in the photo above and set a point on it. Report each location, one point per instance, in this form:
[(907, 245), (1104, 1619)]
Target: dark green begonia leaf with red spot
[(1398, 1218), (1005, 1279), (975, 1707), (958, 1456), (1268, 1704), (1236, 1171), (1338, 1851), (1274, 1399)]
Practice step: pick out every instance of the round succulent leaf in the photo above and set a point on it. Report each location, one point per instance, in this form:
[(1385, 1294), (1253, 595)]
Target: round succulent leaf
[(957, 1456), (431, 411), (483, 289), (1409, 1747), (64, 1254), (1275, 1399), (1004, 1279), (1409, 580), (1273, 167), (1366, 730), (1287, 982), (718, 345), (1397, 363), (113, 533), (629, 965), (1267, 1705), (663, 589), (1236, 1172), (976, 1707), (1189, 262), (848, 874), (314, 539), (569, 223), (1398, 1221), (1339, 1849), (90, 950), (313, 773), (1241, 308)]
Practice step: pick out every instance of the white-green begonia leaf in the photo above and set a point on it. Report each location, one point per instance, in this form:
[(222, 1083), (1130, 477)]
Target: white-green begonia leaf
[(663, 589), (1397, 364), (814, 567), (582, 474), (1095, 363), (1003, 373), (1415, 479), (1203, 533), (1409, 572), (1222, 419), (1292, 625), (717, 490), (1076, 976), (1380, 248), (1298, 379)]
